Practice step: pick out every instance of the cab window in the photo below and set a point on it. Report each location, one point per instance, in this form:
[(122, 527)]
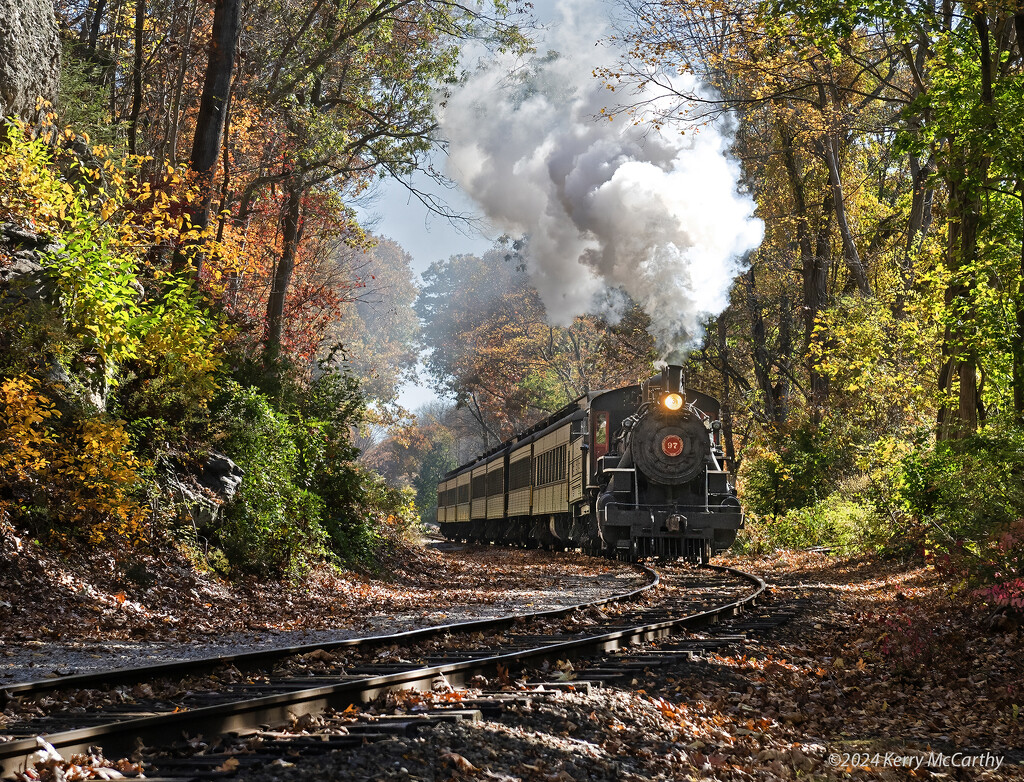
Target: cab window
[(600, 434)]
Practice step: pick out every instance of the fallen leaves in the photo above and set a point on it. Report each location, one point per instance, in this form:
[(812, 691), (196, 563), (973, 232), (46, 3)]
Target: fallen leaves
[(49, 766), (85, 594), (229, 766), (458, 761)]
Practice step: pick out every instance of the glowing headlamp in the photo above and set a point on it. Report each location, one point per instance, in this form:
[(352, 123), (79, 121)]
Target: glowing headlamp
[(672, 401)]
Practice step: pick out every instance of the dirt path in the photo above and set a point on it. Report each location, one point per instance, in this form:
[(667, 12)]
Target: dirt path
[(60, 616)]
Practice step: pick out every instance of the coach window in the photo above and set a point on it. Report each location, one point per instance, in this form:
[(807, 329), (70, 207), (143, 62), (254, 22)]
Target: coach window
[(519, 474), (495, 482), (479, 486), (600, 435)]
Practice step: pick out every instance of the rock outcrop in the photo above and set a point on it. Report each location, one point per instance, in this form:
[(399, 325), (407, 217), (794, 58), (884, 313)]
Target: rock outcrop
[(200, 488), (29, 56), (30, 291), (221, 475), (22, 278)]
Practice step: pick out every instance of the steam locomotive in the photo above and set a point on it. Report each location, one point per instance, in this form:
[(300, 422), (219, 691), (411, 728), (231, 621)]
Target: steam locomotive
[(633, 472)]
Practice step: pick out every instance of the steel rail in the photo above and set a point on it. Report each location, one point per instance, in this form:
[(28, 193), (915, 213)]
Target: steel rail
[(123, 737), (243, 660)]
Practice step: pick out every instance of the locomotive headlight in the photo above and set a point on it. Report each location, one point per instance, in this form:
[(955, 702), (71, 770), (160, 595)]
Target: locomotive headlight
[(672, 401)]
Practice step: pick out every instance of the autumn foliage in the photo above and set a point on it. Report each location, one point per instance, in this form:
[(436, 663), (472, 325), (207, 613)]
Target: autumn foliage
[(117, 377)]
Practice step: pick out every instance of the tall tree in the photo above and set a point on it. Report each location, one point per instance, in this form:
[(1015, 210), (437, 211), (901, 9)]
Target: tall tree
[(213, 108), (493, 351)]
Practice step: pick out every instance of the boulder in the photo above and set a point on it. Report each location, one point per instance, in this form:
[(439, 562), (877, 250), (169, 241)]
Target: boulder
[(203, 511), (27, 286), (200, 490), (29, 57), (22, 277), (221, 475)]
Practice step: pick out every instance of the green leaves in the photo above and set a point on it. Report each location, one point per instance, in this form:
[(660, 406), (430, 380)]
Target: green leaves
[(97, 295)]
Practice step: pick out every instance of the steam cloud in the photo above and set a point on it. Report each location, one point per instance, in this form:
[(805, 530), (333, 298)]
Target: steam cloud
[(607, 205)]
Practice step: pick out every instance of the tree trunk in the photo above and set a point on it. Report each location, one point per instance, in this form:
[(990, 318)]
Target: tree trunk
[(816, 298), (785, 350), (1018, 305), (292, 225), (966, 179), (225, 183), (133, 122), (94, 29), (212, 108), (850, 253), (1017, 342), (727, 435), (920, 175), (1018, 26), (486, 435), (920, 213), (815, 263), (759, 349), (958, 377), (180, 84)]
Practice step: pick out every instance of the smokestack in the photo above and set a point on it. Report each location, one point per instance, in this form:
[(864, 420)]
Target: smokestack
[(672, 379)]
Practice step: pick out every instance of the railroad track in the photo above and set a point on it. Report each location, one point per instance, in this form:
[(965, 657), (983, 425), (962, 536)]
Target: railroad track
[(244, 695)]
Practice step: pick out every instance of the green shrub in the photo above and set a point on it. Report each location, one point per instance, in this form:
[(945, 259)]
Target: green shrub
[(303, 498), (961, 490), (841, 523), (796, 468), (816, 484), (437, 461), (272, 526), (327, 409)]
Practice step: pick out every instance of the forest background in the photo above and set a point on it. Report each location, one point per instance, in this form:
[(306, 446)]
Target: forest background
[(197, 286)]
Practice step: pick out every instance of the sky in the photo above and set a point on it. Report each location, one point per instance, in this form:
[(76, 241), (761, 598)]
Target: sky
[(612, 209), (398, 215), (393, 212)]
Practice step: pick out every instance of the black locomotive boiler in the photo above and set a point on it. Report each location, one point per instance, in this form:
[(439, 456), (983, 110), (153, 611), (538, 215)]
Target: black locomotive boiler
[(631, 472)]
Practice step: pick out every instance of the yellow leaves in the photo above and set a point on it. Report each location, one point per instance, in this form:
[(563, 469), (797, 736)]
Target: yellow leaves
[(95, 474), (89, 471), (24, 439)]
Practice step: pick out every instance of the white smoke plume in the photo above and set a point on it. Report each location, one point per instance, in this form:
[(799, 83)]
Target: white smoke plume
[(606, 205)]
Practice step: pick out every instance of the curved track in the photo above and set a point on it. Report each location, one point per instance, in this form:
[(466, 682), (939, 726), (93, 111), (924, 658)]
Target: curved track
[(237, 701)]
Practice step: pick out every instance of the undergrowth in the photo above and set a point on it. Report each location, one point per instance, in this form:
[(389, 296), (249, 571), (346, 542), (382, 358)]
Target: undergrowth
[(118, 371)]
